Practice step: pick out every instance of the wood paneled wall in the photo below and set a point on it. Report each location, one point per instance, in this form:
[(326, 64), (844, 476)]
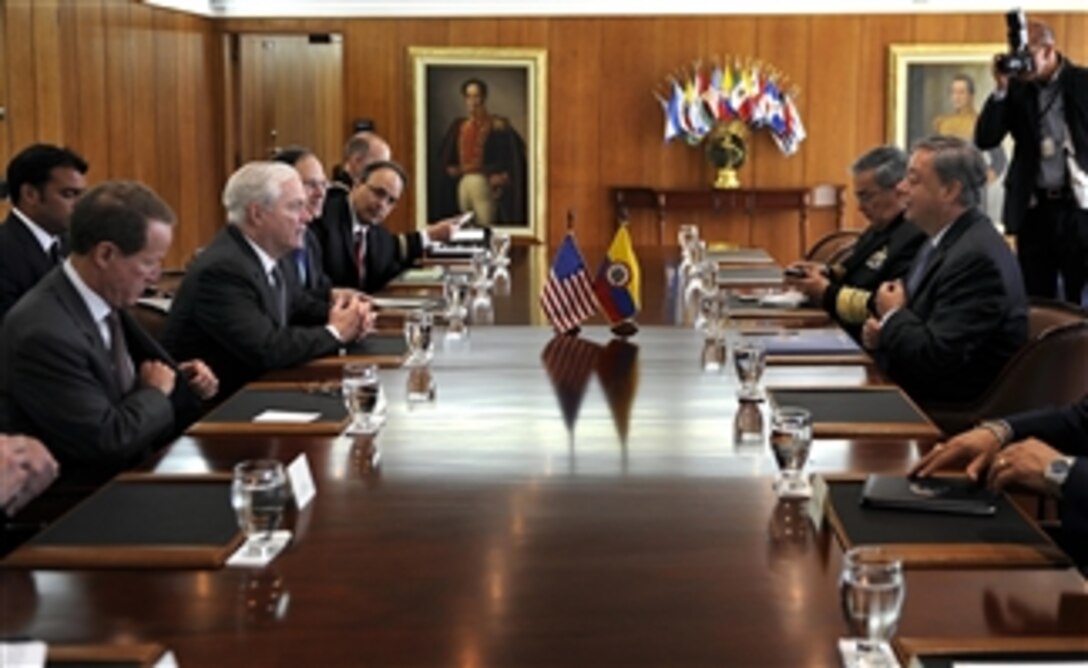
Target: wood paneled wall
[(606, 127), (139, 91)]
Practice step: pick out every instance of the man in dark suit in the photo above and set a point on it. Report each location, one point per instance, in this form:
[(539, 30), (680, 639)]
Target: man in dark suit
[(945, 332), (306, 264), (1046, 111), (78, 372), (882, 253), (1045, 451), (43, 184), (363, 148), (236, 307), (360, 252)]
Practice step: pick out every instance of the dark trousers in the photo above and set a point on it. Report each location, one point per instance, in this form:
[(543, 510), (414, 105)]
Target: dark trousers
[(1052, 242)]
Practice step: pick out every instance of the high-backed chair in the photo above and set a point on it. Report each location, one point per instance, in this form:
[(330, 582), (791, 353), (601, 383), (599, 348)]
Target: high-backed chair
[(1050, 370), (833, 246)]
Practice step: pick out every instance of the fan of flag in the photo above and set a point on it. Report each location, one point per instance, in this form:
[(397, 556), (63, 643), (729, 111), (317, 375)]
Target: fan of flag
[(746, 90), (569, 296)]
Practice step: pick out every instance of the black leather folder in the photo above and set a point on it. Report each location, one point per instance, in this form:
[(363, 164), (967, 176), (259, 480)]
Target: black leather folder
[(957, 496)]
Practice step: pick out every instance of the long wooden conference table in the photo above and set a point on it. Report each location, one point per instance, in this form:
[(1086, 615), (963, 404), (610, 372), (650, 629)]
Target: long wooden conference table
[(512, 524)]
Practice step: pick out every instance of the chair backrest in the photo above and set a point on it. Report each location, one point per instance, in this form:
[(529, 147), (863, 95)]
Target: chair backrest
[(833, 245), (1050, 370)]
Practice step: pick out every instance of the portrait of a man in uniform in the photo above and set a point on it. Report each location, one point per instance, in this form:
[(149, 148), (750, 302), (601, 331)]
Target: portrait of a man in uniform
[(480, 137)]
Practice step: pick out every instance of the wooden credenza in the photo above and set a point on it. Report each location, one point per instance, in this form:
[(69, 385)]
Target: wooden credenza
[(748, 201)]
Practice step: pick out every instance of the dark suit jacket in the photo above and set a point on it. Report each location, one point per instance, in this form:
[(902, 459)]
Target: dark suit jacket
[(225, 313), (1018, 114), (316, 282), (57, 382), (387, 255), (22, 262), (1065, 429), (968, 316)]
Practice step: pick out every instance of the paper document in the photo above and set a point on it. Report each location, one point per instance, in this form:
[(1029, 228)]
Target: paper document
[(259, 550), (292, 417), (30, 653)]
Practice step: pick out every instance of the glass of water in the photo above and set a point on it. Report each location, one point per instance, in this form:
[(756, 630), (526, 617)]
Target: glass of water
[(259, 495), (749, 360), (418, 326), (362, 392), (791, 440), (481, 265), (455, 288), (500, 249), (871, 590)]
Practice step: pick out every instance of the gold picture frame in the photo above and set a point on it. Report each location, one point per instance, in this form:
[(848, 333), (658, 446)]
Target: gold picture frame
[(926, 82), (509, 165)]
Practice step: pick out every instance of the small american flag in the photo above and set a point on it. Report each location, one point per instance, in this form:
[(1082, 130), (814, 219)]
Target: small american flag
[(567, 298)]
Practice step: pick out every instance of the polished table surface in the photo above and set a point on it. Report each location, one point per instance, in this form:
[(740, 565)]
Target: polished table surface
[(498, 528)]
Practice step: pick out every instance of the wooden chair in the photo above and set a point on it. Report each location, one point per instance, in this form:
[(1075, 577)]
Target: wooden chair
[(834, 246), (1050, 370)]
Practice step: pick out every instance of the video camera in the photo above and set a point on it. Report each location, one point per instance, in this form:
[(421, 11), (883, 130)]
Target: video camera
[(1018, 61)]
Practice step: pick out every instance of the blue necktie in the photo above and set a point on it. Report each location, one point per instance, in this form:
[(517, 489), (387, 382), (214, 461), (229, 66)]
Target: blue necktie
[(918, 269), (303, 264)]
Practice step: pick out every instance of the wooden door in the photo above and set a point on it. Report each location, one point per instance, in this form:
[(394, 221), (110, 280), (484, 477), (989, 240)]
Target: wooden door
[(289, 93)]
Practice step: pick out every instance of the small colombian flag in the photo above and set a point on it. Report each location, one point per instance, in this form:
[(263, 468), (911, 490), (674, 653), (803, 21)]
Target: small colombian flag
[(618, 284)]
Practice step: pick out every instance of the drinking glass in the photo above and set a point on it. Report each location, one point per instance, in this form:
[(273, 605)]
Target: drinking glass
[(480, 265), (871, 590), (748, 426), (714, 353), (418, 325), (362, 392), (687, 236), (791, 439), (420, 387), (749, 359), (456, 292), (259, 495), (500, 249)]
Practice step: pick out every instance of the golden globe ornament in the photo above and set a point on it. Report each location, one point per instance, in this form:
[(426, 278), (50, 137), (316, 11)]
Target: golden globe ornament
[(726, 150)]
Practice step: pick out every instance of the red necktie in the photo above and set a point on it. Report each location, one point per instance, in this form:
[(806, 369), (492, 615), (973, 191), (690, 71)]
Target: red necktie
[(360, 254)]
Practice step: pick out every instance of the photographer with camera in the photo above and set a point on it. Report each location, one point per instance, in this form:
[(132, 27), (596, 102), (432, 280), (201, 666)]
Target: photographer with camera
[(1041, 98)]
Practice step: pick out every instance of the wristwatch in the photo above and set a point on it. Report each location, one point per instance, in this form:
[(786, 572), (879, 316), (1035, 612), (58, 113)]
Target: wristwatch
[(1057, 471)]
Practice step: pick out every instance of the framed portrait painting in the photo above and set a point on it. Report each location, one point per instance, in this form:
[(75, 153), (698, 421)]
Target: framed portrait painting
[(940, 89), (480, 136)]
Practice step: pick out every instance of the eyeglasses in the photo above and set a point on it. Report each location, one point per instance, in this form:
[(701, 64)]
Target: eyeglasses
[(382, 194)]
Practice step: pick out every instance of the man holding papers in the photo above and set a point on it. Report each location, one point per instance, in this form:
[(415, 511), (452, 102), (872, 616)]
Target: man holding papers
[(945, 331), (235, 306)]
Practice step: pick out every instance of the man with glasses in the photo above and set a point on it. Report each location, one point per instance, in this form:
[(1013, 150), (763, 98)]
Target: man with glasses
[(882, 253), (360, 252), (307, 264), (1046, 111)]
